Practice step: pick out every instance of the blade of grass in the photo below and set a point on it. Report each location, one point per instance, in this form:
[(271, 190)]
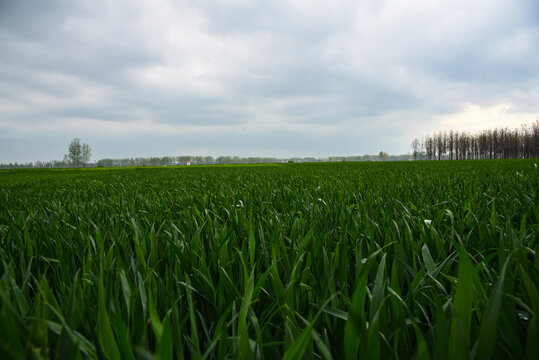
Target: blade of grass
[(489, 326)]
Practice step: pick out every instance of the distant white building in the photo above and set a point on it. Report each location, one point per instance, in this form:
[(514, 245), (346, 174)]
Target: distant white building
[(188, 162)]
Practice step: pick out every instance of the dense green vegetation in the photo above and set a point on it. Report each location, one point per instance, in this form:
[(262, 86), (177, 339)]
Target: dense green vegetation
[(340, 260)]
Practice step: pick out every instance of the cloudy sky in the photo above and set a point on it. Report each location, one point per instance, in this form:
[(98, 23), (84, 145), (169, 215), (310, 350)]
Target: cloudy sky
[(259, 78)]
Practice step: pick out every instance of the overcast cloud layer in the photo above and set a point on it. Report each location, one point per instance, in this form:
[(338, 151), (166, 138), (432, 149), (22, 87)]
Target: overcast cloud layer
[(260, 78)]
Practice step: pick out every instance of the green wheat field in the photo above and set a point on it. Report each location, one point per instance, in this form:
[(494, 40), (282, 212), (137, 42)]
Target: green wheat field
[(317, 261)]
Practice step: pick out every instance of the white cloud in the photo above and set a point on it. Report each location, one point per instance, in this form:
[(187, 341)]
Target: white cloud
[(474, 117)]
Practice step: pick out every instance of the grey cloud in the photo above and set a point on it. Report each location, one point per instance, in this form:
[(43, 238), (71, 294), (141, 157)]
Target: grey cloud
[(36, 36), (256, 77), (277, 17)]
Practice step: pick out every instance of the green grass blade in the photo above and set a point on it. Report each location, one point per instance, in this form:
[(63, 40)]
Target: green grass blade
[(378, 290), (459, 336), (489, 326), (355, 324), (164, 349), (244, 346), (104, 329)]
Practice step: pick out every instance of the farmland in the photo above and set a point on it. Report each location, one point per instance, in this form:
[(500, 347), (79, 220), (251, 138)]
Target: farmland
[(336, 260)]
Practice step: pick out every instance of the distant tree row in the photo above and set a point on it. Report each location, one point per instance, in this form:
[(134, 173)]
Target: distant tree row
[(487, 144), (209, 160), (182, 160), (72, 160)]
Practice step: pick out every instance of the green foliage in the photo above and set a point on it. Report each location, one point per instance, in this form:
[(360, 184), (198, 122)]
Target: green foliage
[(333, 261)]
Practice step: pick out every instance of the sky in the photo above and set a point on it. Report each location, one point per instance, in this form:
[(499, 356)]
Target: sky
[(260, 78)]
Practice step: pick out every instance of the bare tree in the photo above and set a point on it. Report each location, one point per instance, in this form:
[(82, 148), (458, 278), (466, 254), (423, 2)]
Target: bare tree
[(535, 138), (457, 144), (78, 153), (416, 147), (450, 144), (483, 144), (429, 147), (74, 152), (86, 154)]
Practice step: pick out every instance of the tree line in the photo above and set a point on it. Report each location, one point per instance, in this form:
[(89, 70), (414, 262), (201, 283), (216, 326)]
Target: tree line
[(79, 154), (72, 161), (495, 143)]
